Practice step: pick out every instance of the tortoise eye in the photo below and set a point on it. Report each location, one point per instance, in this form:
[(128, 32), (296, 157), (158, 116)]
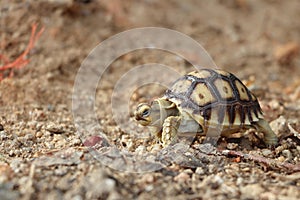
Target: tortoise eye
[(146, 113)]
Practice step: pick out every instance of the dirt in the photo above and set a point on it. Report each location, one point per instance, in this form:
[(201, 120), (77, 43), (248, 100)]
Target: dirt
[(46, 155)]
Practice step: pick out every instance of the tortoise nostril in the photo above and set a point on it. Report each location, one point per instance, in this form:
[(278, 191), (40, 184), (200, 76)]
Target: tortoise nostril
[(137, 117)]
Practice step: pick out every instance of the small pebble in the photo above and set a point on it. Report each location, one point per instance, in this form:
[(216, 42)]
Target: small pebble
[(182, 177), (287, 154), (3, 135), (11, 153), (266, 152), (95, 139), (60, 171), (148, 188), (232, 146), (246, 169), (279, 126), (29, 136), (76, 141), (17, 152), (109, 183), (54, 128), (39, 134), (280, 158), (39, 126), (274, 104), (211, 168), (216, 182), (188, 171), (239, 181), (147, 178)]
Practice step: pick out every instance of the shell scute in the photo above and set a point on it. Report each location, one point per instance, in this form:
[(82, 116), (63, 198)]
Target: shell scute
[(201, 95)]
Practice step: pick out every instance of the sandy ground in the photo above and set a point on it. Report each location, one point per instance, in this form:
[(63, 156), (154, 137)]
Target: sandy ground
[(43, 155)]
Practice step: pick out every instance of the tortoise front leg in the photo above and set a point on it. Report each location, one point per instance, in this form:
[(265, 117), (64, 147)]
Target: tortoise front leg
[(170, 128)]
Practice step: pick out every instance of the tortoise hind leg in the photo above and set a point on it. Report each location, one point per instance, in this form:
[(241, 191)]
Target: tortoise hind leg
[(270, 137)]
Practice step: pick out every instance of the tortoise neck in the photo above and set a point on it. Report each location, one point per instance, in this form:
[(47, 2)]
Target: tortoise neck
[(160, 110)]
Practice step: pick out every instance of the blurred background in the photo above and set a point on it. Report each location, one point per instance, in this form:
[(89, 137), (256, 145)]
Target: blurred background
[(244, 37)]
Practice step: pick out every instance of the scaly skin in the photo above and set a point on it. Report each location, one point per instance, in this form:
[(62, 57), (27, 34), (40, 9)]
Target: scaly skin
[(270, 137), (170, 129)]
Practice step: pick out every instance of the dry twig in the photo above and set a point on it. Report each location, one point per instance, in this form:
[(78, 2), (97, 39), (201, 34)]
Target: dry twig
[(21, 61), (267, 162)]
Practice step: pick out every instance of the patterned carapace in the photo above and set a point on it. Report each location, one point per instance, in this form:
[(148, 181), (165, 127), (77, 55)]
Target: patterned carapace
[(216, 95)]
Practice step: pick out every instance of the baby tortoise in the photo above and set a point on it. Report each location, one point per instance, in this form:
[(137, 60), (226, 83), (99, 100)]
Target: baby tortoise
[(204, 100)]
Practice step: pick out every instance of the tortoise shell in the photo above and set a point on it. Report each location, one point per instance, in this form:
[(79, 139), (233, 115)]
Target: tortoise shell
[(214, 97)]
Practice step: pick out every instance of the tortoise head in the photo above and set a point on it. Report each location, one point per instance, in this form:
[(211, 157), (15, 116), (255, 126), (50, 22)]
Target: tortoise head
[(155, 113), (145, 114)]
